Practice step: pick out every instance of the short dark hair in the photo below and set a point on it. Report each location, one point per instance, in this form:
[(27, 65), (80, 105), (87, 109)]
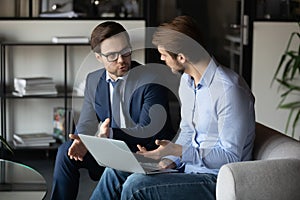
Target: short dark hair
[(106, 30), (181, 35)]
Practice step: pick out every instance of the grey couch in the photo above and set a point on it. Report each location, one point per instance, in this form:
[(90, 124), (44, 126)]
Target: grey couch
[(274, 173)]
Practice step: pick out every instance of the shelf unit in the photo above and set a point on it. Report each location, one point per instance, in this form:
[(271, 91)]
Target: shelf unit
[(234, 51), (64, 93), (33, 39)]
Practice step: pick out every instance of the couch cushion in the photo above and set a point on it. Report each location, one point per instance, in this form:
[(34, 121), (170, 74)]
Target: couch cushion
[(261, 179), (271, 144)]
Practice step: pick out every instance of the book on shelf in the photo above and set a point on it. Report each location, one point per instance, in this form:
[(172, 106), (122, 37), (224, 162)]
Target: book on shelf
[(29, 137), (25, 81), (70, 39), (36, 144), (62, 123), (42, 86), (25, 86), (33, 93), (33, 139)]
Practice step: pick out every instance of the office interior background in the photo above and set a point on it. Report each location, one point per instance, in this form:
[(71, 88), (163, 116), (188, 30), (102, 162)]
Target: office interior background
[(222, 22), (245, 35)]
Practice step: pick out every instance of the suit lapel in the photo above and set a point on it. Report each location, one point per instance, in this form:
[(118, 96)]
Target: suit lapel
[(102, 99), (102, 102)]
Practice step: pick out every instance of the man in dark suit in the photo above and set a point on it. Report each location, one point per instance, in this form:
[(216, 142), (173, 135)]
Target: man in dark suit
[(132, 123)]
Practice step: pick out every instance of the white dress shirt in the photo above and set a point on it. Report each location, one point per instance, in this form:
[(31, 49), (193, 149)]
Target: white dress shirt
[(218, 120)]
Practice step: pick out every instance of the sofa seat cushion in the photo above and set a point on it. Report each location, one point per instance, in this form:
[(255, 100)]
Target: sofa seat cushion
[(262, 179)]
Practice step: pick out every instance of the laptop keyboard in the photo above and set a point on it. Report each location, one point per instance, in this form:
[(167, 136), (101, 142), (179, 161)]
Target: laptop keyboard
[(150, 166)]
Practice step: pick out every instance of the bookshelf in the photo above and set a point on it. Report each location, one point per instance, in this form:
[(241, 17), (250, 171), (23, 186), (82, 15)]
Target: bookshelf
[(37, 106), (27, 50)]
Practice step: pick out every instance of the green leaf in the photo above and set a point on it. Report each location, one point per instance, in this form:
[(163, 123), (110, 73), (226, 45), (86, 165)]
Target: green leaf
[(290, 40), (288, 85), (295, 67), (287, 68), (288, 120), (281, 102), (298, 58), (286, 93), (290, 105), (282, 59), (296, 119), (292, 55), (289, 64)]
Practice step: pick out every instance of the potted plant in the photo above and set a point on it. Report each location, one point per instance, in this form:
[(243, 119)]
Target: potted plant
[(289, 65)]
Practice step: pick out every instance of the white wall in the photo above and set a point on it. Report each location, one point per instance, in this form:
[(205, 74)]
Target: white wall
[(269, 43), (44, 30)]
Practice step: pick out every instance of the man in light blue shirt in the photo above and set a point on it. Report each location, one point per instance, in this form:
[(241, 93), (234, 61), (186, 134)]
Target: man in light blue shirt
[(217, 124)]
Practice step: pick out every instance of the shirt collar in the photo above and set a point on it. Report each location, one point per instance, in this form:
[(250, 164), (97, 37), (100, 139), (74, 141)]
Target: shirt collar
[(108, 79), (209, 73), (206, 78), (191, 81)]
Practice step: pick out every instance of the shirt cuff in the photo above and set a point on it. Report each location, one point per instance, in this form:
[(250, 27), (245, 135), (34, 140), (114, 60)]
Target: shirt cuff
[(187, 154), (175, 159), (111, 133)]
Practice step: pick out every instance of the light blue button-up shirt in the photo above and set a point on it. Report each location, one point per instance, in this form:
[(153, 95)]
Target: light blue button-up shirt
[(218, 120)]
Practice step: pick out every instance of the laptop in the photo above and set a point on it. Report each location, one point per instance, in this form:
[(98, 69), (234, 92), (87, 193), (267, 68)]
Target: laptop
[(117, 155)]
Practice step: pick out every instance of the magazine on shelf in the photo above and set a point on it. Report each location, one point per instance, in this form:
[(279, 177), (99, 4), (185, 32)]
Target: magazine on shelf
[(33, 93), (62, 123), (33, 139), (29, 137), (35, 144)]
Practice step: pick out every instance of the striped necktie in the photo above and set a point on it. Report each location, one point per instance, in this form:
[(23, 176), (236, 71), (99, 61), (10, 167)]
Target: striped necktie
[(115, 107)]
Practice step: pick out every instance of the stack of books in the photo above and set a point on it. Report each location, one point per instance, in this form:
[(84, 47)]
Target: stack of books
[(34, 86), (33, 140)]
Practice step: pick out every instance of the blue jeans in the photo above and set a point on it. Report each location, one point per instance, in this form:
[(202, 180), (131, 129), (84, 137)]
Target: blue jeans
[(116, 184), (66, 173)]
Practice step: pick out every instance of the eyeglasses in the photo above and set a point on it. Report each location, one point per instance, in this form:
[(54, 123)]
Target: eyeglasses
[(113, 56)]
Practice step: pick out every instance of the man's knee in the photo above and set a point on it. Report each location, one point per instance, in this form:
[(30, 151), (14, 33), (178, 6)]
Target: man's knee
[(133, 185), (96, 173), (62, 159), (62, 151)]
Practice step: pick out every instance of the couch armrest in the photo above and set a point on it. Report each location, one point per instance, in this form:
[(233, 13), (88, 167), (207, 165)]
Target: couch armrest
[(262, 179)]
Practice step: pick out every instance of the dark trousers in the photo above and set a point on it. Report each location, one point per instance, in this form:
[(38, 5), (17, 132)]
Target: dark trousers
[(66, 173)]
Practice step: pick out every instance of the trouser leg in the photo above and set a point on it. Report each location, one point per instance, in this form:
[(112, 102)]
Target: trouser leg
[(66, 173), (170, 186), (110, 185)]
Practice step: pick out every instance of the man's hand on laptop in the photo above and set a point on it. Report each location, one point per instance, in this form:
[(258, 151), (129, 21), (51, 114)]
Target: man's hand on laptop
[(77, 150), (104, 130), (165, 148)]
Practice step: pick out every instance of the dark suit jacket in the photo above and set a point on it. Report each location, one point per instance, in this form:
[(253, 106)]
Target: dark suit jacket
[(96, 108)]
